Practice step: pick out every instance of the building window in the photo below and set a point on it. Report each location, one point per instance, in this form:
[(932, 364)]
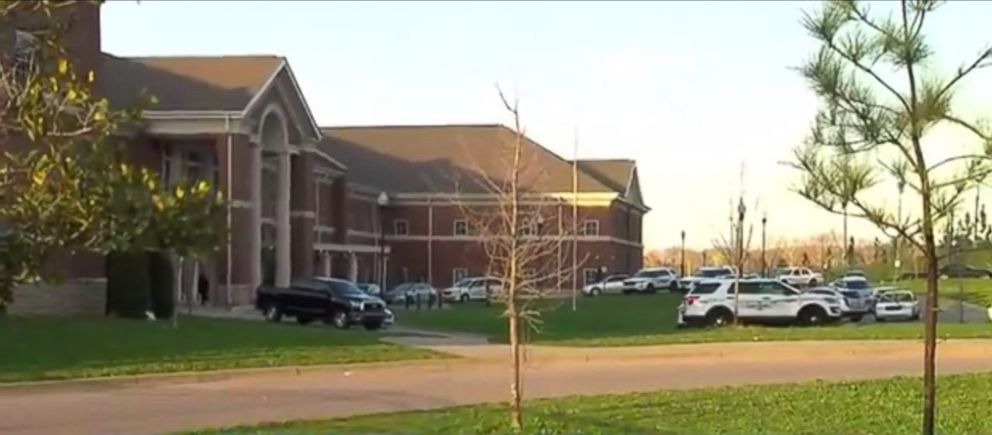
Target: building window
[(590, 275), (461, 227), (401, 227), (590, 227), (458, 274), (25, 50), (528, 229)]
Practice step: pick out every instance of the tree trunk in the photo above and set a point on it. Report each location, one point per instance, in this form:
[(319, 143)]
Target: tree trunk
[(194, 289), (179, 288), (930, 337), (516, 417)]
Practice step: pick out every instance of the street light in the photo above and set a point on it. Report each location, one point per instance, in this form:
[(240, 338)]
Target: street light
[(682, 260), (383, 201), (764, 265), (741, 209)]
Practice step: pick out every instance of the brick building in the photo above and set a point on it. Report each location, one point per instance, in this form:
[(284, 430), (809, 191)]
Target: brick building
[(308, 200)]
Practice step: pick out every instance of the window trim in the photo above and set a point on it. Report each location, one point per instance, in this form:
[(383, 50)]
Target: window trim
[(585, 227), (396, 227), (454, 227)]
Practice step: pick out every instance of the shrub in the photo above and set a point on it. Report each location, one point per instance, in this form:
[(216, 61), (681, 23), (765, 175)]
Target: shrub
[(128, 284), (162, 282)]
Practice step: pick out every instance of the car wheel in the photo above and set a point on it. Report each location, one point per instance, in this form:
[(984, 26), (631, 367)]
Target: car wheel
[(304, 320), (463, 298), (340, 320), (650, 288), (856, 318), (916, 316), (719, 317), (812, 315), (373, 326), (595, 292), (813, 283), (273, 313)]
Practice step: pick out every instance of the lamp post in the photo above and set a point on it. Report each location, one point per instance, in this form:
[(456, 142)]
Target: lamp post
[(383, 201), (764, 265), (682, 256)]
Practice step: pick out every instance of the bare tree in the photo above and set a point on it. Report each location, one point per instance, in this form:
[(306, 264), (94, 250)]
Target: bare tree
[(526, 237), (880, 98), (736, 247)]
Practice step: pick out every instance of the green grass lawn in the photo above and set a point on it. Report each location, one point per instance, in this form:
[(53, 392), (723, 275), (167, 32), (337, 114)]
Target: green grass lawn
[(651, 319), (64, 348), (975, 290), (881, 407)]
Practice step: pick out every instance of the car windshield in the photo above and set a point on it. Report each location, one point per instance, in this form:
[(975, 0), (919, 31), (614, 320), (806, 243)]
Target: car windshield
[(705, 288), (898, 297), (855, 284), (467, 282), (784, 271), (343, 288)]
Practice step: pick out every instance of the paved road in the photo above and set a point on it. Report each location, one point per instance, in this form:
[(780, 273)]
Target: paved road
[(482, 376)]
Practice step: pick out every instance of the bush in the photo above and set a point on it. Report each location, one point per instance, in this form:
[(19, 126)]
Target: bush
[(162, 284), (128, 284)]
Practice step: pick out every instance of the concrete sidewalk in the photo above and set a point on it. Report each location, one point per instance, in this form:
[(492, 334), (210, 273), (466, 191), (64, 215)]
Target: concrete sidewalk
[(480, 377)]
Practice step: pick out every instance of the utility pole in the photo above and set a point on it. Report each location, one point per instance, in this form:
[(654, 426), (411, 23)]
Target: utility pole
[(575, 219), (682, 259), (764, 265)]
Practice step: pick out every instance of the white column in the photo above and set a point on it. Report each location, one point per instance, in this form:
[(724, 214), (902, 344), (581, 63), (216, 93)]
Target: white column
[(283, 239), (255, 181), (353, 273), (326, 257)]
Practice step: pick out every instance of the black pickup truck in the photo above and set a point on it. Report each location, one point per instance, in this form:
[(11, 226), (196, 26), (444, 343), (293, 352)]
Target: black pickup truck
[(334, 301)]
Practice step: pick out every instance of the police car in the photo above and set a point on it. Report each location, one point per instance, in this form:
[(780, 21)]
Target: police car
[(711, 302)]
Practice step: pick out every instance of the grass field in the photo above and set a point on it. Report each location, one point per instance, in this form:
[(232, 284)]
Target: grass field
[(651, 319), (866, 407), (64, 348), (975, 290)]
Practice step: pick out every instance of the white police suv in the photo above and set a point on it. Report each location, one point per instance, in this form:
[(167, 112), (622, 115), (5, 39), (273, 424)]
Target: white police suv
[(711, 302)]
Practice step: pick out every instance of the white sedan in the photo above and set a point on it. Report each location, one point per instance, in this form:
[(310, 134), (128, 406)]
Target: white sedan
[(897, 305)]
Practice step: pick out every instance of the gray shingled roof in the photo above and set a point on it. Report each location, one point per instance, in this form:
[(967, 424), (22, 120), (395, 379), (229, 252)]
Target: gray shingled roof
[(450, 158), (225, 83), (615, 173)]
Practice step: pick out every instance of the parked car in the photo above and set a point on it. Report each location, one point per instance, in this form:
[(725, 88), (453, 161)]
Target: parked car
[(704, 273), (964, 271), (764, 300), (858, 284), (472, 289), (897, 304), (611, 284), (370, 289), (650, 280), (800, 276), (854, 272), (854, 305), (333, 300), (412, 290)]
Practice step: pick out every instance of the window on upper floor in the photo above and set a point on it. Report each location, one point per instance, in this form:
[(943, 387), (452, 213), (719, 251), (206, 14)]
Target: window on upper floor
[(182, 163), (25, 52), (460, 227), (590, 227), (401, 227)]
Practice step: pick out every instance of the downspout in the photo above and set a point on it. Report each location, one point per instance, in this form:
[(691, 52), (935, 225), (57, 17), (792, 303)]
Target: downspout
[(430, 242), (230, 204)]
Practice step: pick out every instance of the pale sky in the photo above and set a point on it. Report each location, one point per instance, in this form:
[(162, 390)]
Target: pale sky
[(691, 90)]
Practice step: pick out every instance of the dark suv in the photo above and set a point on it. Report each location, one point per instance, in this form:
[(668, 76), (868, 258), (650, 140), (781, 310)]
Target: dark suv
[(334, 301)]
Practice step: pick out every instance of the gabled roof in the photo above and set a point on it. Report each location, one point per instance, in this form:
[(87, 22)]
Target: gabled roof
[(616, 173), (184, 83), (451, 158)]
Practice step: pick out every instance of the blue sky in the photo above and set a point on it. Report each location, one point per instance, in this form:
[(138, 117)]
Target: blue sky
[(691, 90)]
